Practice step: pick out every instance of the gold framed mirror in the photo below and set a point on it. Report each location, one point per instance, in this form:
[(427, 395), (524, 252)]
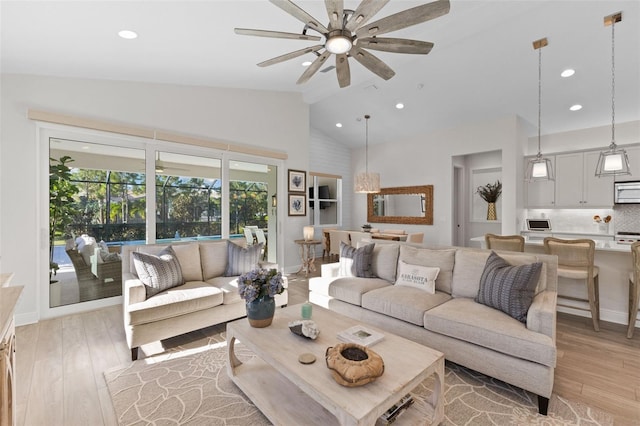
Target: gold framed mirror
[(403, 204)]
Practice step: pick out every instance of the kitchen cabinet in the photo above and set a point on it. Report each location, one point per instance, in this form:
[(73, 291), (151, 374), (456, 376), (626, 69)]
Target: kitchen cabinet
[(541, 194), (8, 300), (576, 184), (634, 165)]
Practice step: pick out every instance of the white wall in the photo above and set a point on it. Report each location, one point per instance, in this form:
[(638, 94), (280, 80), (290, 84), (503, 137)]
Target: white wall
[(428, 160), (279, 121), (595, 137)]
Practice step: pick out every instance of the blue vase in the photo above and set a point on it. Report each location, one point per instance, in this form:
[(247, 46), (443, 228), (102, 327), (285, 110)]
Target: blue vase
[(260, 311)]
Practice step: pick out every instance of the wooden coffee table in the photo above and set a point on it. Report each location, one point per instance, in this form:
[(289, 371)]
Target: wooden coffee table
[(288, 392)]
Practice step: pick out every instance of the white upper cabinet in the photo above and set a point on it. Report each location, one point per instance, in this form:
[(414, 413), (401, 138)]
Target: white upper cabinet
[(634, 165), (576, 183), (541, 194)]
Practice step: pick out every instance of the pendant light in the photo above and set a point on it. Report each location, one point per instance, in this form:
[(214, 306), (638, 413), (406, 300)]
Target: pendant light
[(538, 168), (367, 183), (614, 161)]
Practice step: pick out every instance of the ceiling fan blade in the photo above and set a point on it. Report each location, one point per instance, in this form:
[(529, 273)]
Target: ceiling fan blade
[(290, 55), (295, 11), (343, 71), (275, 34), (313, 68), (335, 10), (396, 45), (372, 63), (404, 19), (364, 12)]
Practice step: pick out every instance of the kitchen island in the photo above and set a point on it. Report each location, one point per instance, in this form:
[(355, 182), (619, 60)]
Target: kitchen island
[(614, 261)]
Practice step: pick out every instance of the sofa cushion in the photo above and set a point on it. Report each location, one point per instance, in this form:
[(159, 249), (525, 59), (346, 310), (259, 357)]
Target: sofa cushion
[(351, 289), (241, 260), (190, 297), (469, 265), (384, 261), (160, 272), (229, 287), (189, 257), (355, 262), (508, 288), (404, 303), (213, 257), (420, 277), (464, 319), (441, 258)]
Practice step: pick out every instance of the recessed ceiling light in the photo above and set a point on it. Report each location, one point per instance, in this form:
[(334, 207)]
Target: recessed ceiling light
[(128, 34), (306, 63), (576, 107), (338, 124), (567, 73), (399, 105)]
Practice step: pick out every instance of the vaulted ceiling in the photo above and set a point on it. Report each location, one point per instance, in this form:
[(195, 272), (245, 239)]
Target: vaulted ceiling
[(483, 65)]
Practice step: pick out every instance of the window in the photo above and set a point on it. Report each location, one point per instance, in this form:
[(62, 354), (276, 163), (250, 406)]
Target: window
[(325, 194)]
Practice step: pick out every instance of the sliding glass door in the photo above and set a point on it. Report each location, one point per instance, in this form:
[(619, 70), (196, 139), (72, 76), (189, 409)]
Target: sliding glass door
[(101, 198)]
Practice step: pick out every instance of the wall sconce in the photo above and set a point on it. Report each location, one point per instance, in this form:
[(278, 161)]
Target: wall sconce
[(308, 232), (274, 200)]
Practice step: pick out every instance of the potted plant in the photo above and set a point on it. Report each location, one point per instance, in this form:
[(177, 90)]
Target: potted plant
[(490, 193), (258, 288), (61, 203)]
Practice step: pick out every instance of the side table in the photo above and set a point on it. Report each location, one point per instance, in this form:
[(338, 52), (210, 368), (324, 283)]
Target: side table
[(307, 255)]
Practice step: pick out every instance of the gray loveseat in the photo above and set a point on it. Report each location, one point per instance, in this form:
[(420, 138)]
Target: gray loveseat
[(468, 333), (206, 298)]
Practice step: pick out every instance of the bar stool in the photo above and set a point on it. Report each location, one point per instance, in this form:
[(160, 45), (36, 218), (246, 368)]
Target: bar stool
[(634, 288), (575, 261), (504, 242)]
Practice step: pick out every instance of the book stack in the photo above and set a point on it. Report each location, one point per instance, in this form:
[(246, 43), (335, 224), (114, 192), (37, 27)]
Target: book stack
[(361, 335)]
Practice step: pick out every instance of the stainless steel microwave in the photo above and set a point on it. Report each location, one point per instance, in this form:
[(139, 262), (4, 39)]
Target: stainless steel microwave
[(626, 192)]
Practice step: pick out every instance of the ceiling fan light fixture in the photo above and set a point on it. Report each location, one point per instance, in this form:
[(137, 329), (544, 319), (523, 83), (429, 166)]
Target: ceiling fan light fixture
[(339, 42)]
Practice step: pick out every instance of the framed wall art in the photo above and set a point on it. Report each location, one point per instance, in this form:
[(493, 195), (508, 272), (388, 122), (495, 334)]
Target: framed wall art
[(297, 205), (297, 181)]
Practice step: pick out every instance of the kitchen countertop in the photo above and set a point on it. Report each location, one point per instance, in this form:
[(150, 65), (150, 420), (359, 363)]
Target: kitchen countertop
[(601, 245)]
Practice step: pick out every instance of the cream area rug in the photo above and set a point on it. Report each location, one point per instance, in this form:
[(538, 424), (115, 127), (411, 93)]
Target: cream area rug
[(191, 387)]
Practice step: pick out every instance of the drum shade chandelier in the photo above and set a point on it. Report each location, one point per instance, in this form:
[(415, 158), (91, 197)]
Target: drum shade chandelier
[(539, 168), (367, 183), (614, 161)]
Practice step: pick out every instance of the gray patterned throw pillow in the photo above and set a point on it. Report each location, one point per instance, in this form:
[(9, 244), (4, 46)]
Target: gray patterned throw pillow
[(356, 262), (241, 260), (508, 288), (158, 273)]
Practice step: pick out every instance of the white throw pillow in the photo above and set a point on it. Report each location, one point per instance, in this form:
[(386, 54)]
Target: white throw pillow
[(422, 277)]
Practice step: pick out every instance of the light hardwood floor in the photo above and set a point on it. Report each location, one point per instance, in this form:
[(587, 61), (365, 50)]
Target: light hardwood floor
[(60, 364)]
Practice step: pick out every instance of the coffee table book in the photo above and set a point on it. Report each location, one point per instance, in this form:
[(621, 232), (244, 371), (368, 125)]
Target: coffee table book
[(361, 335)]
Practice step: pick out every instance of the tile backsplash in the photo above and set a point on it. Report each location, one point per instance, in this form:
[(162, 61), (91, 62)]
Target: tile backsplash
[(627, 217), (624, 218)]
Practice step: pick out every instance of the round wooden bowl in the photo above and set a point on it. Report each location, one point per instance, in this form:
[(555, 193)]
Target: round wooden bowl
[(353, 365)]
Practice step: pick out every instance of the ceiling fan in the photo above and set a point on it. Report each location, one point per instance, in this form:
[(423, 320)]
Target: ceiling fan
[(347, 35)]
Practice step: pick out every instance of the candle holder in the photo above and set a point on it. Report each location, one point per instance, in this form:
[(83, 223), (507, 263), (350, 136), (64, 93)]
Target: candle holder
[(308, 232)]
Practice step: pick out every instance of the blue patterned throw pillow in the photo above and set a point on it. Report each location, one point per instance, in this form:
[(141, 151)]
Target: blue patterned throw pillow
[(158, 273), (356, 262), (508, 288)]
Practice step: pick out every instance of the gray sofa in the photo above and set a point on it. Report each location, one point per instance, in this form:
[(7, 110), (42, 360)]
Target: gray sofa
[(468, 333), (206, 298)]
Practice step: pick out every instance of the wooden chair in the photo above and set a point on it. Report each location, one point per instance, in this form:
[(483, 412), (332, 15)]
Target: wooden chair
[(504, 242), (575, 261), (634, 289), (336, 237)]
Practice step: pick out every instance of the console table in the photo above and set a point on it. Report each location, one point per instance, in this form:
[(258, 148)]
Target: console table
[(8, 300), (307, 255)]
